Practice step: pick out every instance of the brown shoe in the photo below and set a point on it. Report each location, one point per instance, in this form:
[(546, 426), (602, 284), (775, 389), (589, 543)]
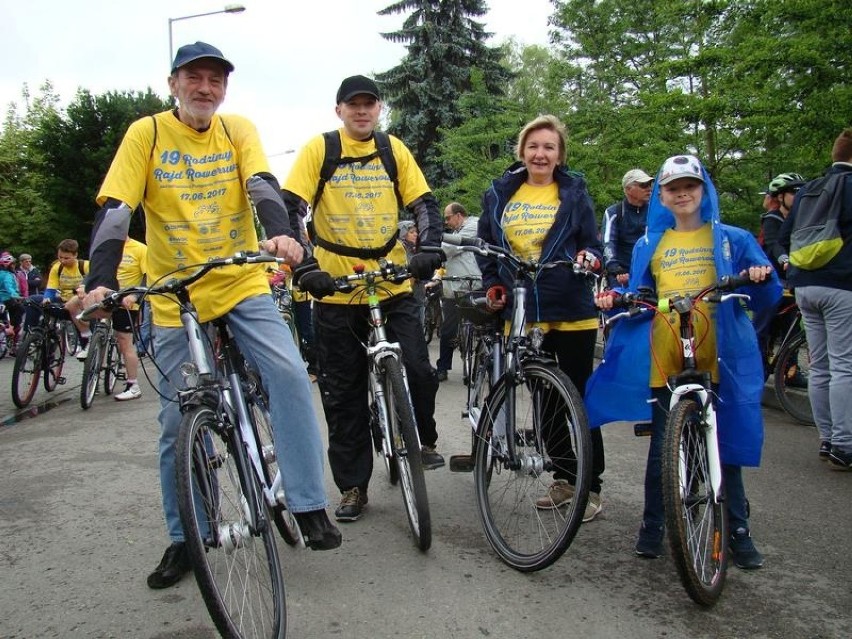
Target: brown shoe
[(559, 494)]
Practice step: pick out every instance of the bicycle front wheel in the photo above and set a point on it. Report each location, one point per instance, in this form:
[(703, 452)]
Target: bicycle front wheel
[(792, 369), (92, 369), (112, 368), (405, 443), (26, 371), (695, 514), (71, 337), (228, 533), (544, 416), (55, 354)]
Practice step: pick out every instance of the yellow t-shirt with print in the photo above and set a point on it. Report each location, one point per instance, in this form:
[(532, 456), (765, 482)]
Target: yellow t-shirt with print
[(358, 207), (68, 281), (131, 269), (527, 217), (683, 264), (192, 187)]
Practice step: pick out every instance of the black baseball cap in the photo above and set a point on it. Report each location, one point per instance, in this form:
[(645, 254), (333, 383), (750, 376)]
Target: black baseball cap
[(192, 52), (356, 85)]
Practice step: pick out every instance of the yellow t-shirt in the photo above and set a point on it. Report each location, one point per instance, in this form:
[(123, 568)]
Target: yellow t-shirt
[(192, 188), (131, 269), (358, 207), (527, 217), (683, 264), (67, 281)]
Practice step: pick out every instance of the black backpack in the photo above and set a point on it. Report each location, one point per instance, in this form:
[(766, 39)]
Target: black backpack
[(815, 239), (332, 160)]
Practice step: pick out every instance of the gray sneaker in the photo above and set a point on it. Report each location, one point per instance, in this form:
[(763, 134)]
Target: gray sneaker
[(131, 391), (558, 494)]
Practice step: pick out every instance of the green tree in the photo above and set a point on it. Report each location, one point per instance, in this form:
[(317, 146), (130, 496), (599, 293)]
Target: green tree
[(445, 43), (78, 148)]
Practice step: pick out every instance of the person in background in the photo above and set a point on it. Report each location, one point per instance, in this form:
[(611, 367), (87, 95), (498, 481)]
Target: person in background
[(684, 220), (624, 223), (235, 187), (10, 294), (355, 222), (34, 279), (408, 236), (544, 212), (824, 296), (20, 277), (131, 272), (459, 264)]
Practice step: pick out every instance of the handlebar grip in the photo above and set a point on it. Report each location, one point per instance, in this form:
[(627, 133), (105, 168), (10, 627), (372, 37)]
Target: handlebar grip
[(731, 282), (460, 240)]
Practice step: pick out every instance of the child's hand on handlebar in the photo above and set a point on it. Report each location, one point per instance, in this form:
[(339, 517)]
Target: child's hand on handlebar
[(757, 273), (587, 261), (606, 300)]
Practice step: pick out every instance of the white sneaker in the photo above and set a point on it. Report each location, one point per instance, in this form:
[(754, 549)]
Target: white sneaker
[(131, 392), (593, 508), (81, 354)]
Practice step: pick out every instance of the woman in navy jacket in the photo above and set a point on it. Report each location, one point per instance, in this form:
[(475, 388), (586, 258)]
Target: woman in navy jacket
[(540, 210)]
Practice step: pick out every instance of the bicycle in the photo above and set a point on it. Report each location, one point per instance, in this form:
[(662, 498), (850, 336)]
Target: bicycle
[(463, 339), (7, 333), (228, 482), (532, 424), (105, 357), (432, 317), (40, 354), (693, 493), (789, 360), (284, 301), (392, 423)]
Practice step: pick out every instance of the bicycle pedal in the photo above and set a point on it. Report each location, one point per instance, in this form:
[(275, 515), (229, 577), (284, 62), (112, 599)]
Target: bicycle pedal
[(465, 414), (461, 463), (60, 380)]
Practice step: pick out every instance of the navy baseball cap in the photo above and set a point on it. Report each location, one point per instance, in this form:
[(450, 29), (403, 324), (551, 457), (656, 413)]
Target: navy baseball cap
[(192, 52), (356, 85)]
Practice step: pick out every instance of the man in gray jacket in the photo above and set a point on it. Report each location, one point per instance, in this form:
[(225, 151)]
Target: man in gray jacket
[(459, 264)]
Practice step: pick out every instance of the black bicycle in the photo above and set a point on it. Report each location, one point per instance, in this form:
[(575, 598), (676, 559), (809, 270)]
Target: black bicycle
[(104, 357), (432, 317), (40, 355)]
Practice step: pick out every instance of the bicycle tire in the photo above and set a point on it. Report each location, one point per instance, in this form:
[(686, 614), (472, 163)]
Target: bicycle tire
[(792, 367), (695, 515), (92, 369), (550, 431), (71, 337), (389, 461), (480, 383), (237, 568), (406, 447), (466, 344), (257, 403), (429, 321), (54, 353), (112, 367), (4, 346), (27, 369)]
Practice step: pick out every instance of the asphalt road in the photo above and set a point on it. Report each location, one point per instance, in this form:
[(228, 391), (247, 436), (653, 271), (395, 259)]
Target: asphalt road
[(81, 527)]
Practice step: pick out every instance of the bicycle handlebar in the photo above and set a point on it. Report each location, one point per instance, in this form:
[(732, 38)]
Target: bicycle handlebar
[(112, 301), (387, 271)]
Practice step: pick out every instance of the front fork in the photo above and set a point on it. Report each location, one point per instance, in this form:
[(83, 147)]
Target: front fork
[(711, 439)]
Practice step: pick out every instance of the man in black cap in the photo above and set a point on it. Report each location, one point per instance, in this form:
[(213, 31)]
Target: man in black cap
[(354, 220), (197, 176)]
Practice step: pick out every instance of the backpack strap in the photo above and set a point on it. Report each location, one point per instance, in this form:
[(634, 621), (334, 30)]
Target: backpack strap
[(332, 160)]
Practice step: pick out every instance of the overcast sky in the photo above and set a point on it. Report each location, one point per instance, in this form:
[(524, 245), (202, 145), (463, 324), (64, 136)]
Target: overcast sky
[(290, 55)]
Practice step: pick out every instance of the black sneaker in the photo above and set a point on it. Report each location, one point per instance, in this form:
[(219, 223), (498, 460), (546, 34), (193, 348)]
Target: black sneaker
[(649, 543), (351, 505), (824, 450), (430, 458), (742, 550), (840, 460), (442, 376), (318, 531), (174, 565)]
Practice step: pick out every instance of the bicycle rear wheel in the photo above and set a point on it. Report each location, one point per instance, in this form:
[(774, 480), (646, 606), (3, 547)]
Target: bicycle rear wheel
[(257, 403), (71, 337), (550, 431), (792, 369), (26, 371), (480, 381), (112, 368), (55, 354), (429, 320), (406, 447), (228, 533), (92, 369), (695, 515)]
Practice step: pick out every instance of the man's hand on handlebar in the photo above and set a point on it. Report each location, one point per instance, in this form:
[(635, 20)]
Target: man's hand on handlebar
[(587, 261), (285, 247), (94, 297), (757, 273), (606, 300), (495, 298)]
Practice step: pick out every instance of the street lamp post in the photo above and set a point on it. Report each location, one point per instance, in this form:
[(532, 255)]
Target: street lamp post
[(229, 8)]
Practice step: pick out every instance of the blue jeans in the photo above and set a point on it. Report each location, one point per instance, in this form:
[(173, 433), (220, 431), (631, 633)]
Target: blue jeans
[(654, 515), (826, 312), (267, 344)]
